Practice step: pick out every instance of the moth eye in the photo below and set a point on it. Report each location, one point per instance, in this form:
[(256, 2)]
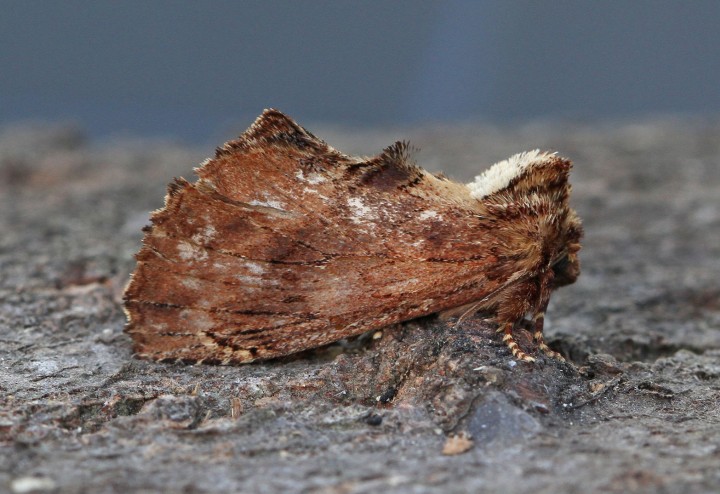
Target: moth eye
[(562, 264)]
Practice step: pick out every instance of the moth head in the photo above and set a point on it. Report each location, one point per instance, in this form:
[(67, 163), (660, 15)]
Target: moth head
[(535, 185), (566, 266)]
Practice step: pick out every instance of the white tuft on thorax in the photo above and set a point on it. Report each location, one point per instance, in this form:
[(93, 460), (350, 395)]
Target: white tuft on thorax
[(498, 176)]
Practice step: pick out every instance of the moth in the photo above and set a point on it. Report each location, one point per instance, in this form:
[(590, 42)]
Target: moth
[(284, 244)]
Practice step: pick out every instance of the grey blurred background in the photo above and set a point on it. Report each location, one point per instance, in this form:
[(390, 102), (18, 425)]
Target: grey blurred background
[(194, 70)]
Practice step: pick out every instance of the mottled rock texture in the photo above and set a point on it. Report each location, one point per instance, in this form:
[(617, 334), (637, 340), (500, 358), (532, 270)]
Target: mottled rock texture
[(635, 410)]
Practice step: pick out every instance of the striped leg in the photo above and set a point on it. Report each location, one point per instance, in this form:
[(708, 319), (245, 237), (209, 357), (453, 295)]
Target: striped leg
[(539, 320), (512, 344)]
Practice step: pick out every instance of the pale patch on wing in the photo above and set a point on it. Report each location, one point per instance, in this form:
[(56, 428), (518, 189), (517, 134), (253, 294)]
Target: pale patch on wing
[(325, 199), (254, 268), (268, 203), (190, 252), (205, 236), (253, 276), (249, 282), (312, 179), (499, 176), (429, 215), (362, 213), (191, 283)]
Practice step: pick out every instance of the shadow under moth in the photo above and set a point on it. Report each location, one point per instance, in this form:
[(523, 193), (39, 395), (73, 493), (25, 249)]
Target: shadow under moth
[(284, 244)]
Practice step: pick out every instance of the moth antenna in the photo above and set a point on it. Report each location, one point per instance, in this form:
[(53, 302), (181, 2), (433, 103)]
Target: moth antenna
[(465, 314)]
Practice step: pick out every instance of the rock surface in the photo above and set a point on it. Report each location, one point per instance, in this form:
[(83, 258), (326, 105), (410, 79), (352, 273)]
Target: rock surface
[(636, 410)]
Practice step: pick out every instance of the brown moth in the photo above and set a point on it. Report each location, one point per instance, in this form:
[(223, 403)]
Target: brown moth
[(285, 244)]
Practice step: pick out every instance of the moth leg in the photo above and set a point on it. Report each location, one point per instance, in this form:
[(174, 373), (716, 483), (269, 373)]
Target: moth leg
[(509, 340), (539, 321)]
